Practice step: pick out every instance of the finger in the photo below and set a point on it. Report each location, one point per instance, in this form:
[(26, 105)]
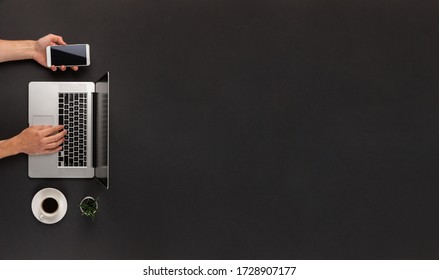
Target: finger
[(63, 68), (75, 68), (57, 39), (55, 138), (53, 68), (54, 145), (53, 130), (50, 151)]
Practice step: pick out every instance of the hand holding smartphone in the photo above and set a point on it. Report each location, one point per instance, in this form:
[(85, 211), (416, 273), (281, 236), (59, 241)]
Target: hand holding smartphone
[(68, 55)]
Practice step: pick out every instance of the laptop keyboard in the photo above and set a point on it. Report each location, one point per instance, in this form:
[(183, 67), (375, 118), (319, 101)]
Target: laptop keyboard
[(73, 115)]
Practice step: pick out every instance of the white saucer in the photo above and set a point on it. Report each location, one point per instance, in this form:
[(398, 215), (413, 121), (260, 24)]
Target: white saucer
[(38, 199)]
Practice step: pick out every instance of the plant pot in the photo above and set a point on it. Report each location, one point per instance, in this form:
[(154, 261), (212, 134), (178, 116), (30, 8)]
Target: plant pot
[(89, 206)]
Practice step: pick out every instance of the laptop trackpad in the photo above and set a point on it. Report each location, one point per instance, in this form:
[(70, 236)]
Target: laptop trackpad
[(42, 120)]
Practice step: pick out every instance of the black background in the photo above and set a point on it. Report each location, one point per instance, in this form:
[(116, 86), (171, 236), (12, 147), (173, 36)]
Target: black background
[(240, 130)]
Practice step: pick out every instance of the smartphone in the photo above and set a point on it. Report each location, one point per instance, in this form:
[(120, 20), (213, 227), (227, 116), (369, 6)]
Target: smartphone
[(68, 55)]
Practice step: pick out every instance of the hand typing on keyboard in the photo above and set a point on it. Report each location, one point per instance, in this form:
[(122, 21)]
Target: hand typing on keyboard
[(34, 140)]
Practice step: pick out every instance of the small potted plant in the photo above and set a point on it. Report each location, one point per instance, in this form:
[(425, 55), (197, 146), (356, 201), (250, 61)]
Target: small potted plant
[(89, 207)]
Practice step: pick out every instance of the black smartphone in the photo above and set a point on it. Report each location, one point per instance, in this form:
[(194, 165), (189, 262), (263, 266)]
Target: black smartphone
[(68, 55)]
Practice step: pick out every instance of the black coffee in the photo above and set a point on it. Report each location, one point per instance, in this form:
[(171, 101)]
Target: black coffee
[(50, 205)]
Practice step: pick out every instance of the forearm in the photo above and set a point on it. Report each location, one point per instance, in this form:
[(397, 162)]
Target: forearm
[(17, 50), (8, 148)]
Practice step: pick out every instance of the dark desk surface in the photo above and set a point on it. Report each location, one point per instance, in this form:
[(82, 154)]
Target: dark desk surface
[(240, 130)]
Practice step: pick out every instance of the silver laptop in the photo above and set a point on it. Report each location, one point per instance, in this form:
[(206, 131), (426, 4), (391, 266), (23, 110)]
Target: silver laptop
[(83, 109)]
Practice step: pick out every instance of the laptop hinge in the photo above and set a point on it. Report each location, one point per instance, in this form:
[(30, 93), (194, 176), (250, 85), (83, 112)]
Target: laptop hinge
[(94, 104)]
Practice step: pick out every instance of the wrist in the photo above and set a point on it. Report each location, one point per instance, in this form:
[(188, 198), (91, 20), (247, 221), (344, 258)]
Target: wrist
[(8, 147), (32, 49), (13, 145), (24, 49)]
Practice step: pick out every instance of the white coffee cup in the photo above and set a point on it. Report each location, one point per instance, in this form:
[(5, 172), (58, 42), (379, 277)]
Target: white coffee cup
[(49, 205)]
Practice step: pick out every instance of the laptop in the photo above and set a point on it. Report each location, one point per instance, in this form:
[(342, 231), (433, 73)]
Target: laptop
[(83, 109)]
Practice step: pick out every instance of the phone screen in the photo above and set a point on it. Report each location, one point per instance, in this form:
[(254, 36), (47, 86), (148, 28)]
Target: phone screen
[(68, 55)]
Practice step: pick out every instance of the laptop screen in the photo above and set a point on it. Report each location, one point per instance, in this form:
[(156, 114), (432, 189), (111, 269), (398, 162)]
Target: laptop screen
[(101, 130)]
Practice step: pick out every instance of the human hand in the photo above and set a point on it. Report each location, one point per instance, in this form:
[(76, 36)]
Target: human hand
[(40, 50), (38, 140)]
